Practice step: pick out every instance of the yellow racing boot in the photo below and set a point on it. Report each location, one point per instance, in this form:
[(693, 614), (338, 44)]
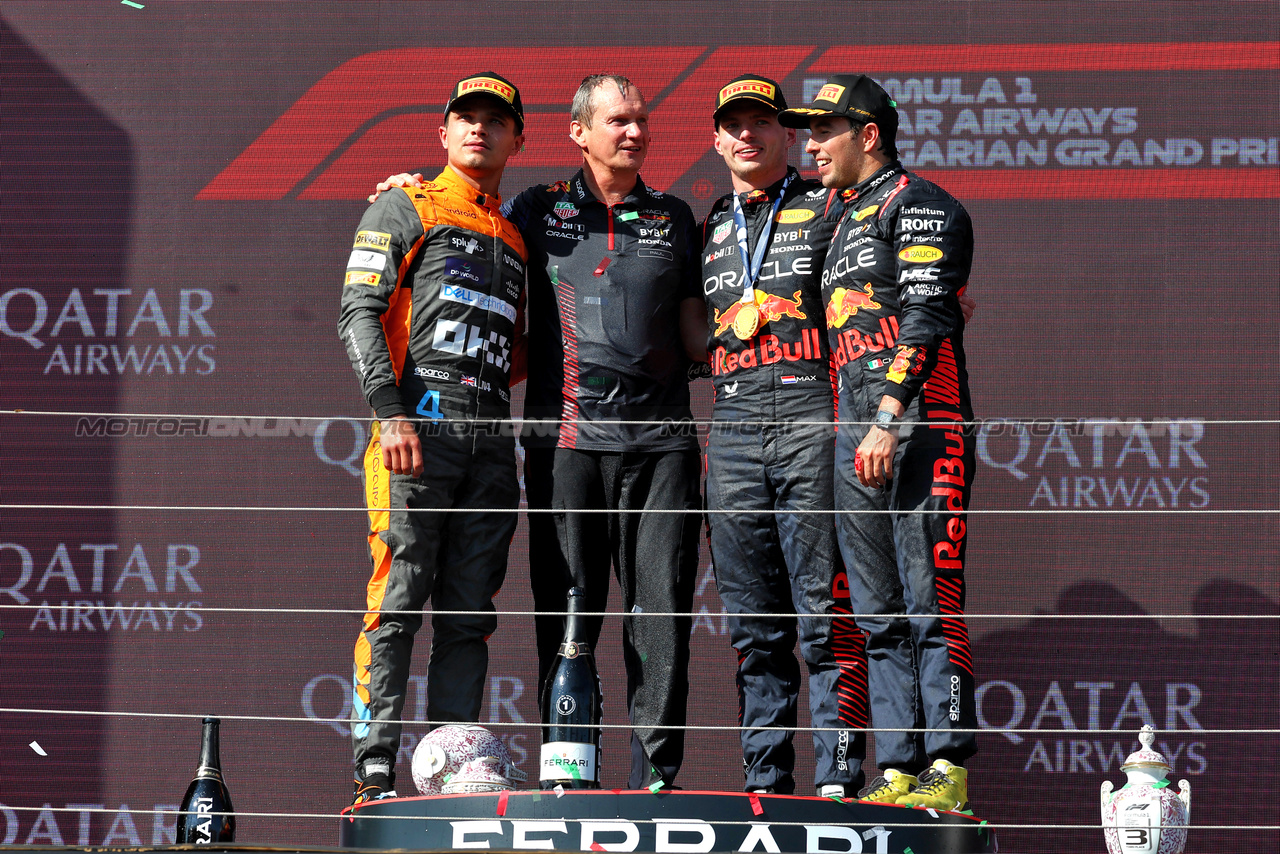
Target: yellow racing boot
[(888, 788), (943, 786)]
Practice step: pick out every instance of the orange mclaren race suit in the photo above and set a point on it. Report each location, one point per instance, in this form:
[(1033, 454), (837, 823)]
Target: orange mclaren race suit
[(771, 449), (891, 283), (432, 311)]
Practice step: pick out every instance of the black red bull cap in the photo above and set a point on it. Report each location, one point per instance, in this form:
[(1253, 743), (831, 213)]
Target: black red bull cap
[(855, 97), (498, 88), (750, 87)]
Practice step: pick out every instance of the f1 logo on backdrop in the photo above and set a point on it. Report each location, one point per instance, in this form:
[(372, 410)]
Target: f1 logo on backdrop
[(375, 112)]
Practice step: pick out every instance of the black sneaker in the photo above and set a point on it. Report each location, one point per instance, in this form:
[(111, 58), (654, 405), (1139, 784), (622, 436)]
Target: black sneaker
[(374, 787)]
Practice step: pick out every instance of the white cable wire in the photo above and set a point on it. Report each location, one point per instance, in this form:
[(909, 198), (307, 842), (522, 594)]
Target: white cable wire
[(111, 713), (249, 508), (537, 794), (67, 605), (1089, 421)]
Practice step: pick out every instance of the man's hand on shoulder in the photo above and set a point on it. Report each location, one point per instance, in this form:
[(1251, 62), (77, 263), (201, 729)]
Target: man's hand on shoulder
[(404, 179)]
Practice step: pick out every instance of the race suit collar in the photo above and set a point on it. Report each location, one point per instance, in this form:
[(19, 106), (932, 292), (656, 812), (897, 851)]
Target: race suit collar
[(450, 179), (884, 173), (753, 197)]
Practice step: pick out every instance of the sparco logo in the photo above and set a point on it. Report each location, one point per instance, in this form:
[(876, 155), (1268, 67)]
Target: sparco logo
[(954, 712)]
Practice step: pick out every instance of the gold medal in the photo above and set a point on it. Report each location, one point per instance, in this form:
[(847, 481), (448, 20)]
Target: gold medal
[(746, 321)]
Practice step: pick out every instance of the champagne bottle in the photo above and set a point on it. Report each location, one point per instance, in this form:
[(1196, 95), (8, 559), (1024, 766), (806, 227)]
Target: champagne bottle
[(207, 816), (572, 707)]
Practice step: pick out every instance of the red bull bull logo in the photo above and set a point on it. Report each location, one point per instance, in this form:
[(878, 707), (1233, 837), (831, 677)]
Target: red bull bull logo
[(772, 308), (845, 303)]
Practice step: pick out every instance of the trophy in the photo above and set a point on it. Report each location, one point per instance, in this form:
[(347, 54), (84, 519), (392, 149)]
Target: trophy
[(1144, 816)]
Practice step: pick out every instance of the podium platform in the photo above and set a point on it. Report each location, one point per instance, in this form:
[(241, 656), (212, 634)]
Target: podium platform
[(671, 821)]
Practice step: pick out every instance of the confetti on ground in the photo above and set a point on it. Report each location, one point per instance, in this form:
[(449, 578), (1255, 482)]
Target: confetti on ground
[(134, 5), (596, 846), (502, 803), (908, 850), (756, 808), (559, 790), (35, 745), (657, 784), (932, 812), (1, 634)]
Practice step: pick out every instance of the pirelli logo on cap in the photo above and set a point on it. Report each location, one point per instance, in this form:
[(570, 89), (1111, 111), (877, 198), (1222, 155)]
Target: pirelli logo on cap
[(830, 92), (372, 240), (748, 87), (489, 85)]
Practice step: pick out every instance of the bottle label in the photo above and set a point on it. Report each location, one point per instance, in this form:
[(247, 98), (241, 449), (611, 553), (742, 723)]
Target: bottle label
[(572, 649), (568, 759)]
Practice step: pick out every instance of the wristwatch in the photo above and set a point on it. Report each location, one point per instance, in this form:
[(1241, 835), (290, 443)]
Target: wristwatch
[(886, 421)]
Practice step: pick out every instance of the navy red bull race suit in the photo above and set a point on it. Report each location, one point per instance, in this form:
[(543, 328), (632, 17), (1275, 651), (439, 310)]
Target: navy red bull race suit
[(431, 306), (772, 449), (897, 263)]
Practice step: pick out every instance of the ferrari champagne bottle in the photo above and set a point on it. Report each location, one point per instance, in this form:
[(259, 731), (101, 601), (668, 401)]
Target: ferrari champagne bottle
[(572, 707), (207, 816)]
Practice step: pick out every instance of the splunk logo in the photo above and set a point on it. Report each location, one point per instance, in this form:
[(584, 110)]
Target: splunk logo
[(91, 333)]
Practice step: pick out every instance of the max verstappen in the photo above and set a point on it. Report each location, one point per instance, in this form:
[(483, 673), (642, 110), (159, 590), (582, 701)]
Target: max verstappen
[(771, 450), (904, 455)]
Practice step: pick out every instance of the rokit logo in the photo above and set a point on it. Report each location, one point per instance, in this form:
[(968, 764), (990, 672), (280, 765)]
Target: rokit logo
[(103, 331), (91, 587)]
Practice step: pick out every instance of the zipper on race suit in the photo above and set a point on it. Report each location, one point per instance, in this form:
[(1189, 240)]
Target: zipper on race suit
[(610, 210)]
